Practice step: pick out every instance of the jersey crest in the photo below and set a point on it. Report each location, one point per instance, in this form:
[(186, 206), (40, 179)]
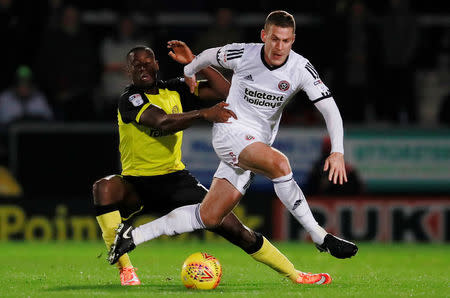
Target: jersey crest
[(284, 85)]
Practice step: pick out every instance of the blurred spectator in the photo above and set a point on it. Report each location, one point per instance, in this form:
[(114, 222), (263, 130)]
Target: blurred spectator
[(54, 12), (8, 29), (432, 83), (67, 67), (354, 48), (7, 18), (21, 25), (444, 111), (318, 183), (23, 101), (443, 68), (222, 32), (399, 36), (114, 77)]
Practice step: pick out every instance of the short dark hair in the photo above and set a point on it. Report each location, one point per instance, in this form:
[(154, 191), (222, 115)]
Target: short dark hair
[(139, 48), (280, 18)]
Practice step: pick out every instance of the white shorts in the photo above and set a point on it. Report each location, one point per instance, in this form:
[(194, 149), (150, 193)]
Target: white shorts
[(228, 141), (239, 178)]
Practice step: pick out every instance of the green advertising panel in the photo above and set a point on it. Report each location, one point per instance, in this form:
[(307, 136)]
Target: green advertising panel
[(401, 160)]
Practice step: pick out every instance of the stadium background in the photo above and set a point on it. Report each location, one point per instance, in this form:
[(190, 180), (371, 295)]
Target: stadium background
[(399, 151)]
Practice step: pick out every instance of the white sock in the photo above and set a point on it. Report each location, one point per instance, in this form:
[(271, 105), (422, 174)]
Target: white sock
[(178, 221), (292, 197)]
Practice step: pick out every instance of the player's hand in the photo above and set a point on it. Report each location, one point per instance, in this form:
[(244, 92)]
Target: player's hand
[(180, 51), (336, 165), (218, 113), (191, 82)]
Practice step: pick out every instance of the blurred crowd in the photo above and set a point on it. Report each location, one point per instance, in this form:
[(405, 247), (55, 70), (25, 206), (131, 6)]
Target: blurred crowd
[(386, 62), (383, 66)]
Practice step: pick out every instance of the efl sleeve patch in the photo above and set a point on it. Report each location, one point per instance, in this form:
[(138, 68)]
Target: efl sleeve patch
[(136, 99), (230, 55), (320, 85), (311, 83)]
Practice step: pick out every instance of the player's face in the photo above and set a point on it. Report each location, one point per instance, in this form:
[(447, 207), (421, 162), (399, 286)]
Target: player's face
[(277, 44), (143, 67)]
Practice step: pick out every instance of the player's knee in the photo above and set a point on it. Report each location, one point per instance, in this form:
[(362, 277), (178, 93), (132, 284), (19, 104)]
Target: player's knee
[(280, 166), (211, 221), (105, 191), (98, 191)]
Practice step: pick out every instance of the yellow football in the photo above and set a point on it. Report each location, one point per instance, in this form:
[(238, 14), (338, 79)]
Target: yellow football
[(201, 271)]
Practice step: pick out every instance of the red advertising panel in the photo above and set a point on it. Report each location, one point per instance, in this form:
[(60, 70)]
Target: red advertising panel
[(405, 219)]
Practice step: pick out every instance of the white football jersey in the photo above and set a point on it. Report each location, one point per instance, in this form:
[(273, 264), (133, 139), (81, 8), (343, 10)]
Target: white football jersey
[(259, 93)]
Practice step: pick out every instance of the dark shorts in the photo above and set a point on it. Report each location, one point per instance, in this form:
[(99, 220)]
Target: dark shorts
[(161, 194)]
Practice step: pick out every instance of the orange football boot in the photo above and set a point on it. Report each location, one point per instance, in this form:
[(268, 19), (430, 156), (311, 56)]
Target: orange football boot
[(310, 278), (128, 276)]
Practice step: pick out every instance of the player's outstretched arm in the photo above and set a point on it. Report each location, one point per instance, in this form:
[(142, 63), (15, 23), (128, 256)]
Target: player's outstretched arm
[(334, 164), (217, 86), (202, 61), (156, 118)]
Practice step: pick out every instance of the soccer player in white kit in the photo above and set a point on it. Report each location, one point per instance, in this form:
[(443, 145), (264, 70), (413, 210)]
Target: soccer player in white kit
[(266, 76)]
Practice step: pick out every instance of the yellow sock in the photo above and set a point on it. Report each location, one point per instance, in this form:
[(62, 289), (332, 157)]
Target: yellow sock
[(272, 257), (108, 222)]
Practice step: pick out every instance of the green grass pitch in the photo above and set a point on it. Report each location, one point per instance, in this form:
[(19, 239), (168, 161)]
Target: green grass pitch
[(79, 269)]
